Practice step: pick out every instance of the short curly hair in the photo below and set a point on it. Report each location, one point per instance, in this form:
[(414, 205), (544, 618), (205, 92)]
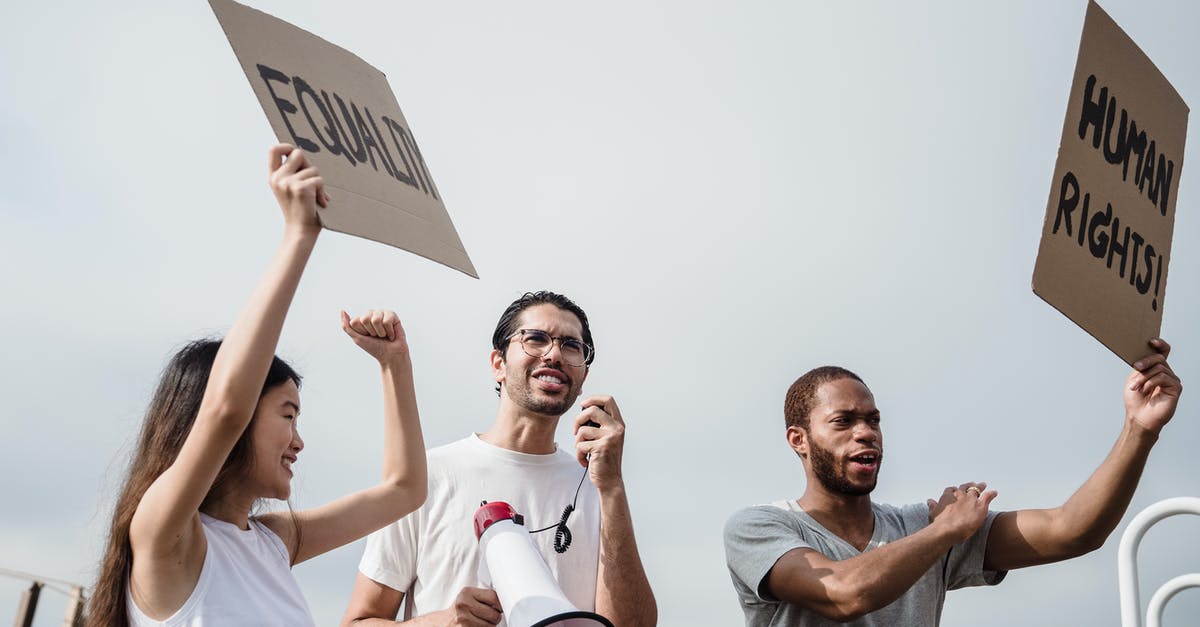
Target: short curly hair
[(801, 397)]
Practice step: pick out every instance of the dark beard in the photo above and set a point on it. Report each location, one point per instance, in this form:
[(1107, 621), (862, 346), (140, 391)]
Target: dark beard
[(545, 407), (826, 468), (525, 397)]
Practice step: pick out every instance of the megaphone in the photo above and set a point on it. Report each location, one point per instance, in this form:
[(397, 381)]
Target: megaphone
[(511, 565)]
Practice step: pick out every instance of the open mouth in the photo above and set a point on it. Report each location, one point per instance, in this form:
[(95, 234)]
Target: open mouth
[(866, 461), (550, 379)]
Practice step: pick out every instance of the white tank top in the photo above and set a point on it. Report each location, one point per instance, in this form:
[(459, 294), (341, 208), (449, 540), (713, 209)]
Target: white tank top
[(245, 580)]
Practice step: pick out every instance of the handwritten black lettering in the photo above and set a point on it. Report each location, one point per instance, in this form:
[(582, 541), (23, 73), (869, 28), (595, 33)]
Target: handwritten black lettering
[(1119, 141), (406, 176), (1149, 256), (285, 106), (1103, 237), (345, 128), (1097, 236), (1067, 203), (334, 143), (369, 141), (1159, 175), (357, 149), (391, 164), (1117, 245)]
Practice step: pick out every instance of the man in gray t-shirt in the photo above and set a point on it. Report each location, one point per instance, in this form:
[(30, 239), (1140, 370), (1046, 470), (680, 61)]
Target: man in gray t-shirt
[(756, 536), (834, 557)]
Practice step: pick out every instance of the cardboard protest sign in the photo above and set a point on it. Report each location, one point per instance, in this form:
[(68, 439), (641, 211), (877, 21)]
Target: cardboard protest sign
[(340, 110), (1106, 242)]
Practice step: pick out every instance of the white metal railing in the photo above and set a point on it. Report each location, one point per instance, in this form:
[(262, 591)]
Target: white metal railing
[(1127, 563)]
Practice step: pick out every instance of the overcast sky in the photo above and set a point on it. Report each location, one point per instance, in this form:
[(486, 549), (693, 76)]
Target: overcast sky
[(734, 192)]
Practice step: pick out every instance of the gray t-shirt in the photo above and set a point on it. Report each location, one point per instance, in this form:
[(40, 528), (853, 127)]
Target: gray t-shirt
[(756, 537)]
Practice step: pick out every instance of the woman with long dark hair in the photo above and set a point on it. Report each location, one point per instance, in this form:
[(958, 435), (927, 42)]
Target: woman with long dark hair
[(221, 434)]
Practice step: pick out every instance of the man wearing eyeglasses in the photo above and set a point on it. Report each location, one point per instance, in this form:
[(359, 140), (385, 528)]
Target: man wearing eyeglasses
[(541, 353), (835, 557)]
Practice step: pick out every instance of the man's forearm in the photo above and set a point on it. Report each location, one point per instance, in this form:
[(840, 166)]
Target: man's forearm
[(844, 590), (623, 593), (1096, 508), (1082, 524)]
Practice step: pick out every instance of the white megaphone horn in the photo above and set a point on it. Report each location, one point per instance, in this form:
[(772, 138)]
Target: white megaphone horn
[(510, 564)]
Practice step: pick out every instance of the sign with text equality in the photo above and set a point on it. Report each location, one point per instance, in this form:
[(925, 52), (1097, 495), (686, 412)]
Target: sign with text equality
[(341, 111), (1106, 242)]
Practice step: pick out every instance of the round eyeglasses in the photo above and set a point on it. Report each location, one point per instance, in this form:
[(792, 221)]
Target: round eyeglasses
[(538, 343)]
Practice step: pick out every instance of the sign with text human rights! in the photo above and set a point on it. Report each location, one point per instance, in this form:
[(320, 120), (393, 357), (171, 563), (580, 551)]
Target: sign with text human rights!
[(1106, 241), (340, 109)]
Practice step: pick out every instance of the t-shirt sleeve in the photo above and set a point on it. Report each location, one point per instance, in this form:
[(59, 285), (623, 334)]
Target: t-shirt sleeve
[(964, 563), (755, 538), (390, 557)]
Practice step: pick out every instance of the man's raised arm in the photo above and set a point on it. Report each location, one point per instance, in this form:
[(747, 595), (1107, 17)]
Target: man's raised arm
[(1040, 536)]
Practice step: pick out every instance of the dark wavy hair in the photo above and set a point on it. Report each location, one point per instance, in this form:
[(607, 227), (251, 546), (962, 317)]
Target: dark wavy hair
[(507, 325), (167, 424)]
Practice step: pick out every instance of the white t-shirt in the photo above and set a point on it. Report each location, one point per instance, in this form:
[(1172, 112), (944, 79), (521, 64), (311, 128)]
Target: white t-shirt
[(432, 553), (246, 580)]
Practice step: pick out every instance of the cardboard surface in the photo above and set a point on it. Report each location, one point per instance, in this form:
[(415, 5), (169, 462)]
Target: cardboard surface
[(1106, 241), (340, 110)]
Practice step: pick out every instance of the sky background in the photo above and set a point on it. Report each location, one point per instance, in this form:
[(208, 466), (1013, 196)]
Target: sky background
[(734, 192)]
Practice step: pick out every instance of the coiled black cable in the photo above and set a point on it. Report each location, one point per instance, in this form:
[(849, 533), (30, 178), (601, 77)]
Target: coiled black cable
[(562, 533)]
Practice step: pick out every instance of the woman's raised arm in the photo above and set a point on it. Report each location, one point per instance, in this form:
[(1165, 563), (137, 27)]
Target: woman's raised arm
[(404, 482), (165, 526)]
